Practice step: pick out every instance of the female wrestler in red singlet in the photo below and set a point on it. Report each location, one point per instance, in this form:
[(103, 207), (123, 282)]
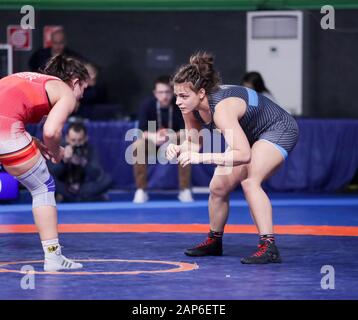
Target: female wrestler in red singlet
[(27, 97)]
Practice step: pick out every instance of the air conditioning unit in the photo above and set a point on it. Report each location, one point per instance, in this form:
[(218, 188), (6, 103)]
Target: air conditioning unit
[(275, 49)]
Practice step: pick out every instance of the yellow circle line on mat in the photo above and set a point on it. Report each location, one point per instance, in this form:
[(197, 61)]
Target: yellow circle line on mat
[(181, 266)]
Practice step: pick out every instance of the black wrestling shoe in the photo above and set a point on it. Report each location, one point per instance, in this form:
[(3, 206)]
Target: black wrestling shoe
[(210, 247), (267, 253)]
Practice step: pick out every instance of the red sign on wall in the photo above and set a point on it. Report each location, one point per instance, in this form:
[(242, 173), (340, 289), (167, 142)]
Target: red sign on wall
[(47, 31), (18, 38)]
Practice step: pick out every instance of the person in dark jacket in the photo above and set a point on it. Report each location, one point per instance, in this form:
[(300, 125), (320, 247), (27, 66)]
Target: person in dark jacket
[(58, 46), (79, 176)]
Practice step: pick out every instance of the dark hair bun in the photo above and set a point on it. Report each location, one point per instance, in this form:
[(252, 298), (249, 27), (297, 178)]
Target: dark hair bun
[(202, 60), (200, 72), (66, 68)]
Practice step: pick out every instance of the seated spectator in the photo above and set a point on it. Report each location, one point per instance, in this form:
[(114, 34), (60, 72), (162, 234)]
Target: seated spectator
[(58, 46), (162, 109), (94, 97), (254, 80), (95, 92), (79, 176)]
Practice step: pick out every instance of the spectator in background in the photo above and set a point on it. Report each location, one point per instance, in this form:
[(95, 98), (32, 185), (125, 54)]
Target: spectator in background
[(95, 92), (162, 109), (94, 97), (79, 176), (58, 46), (254, 80)]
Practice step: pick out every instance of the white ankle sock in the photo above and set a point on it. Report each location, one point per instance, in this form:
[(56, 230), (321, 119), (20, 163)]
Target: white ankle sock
[(51, 248)]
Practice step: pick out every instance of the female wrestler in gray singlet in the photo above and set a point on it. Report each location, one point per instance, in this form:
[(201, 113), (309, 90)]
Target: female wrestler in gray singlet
[(259, 133)]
